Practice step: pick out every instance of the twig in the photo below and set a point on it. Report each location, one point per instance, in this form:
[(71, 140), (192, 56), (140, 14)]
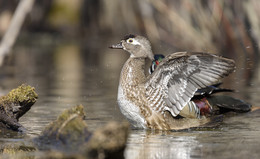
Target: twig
[(24, 7)]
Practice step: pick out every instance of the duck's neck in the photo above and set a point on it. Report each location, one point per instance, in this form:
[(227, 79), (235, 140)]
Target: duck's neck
[(133, 72)]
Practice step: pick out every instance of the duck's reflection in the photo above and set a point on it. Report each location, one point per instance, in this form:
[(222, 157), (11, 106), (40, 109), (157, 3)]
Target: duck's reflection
[(143, 144)]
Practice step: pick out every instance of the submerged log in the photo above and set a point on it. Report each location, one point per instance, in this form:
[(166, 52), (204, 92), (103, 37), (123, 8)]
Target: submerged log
[(14, 105)]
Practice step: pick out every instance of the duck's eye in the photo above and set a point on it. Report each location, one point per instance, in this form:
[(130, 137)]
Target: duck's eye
[(130, 40)]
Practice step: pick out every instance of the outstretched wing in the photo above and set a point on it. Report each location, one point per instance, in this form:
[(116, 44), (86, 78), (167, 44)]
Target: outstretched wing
[(180, 74)]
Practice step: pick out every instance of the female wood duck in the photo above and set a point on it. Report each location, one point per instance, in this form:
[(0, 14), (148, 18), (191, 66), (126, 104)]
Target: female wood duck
[(168, 98)]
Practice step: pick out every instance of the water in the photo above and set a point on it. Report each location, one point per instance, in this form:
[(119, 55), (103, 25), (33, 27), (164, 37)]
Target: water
[(236, 138), (68, 73)]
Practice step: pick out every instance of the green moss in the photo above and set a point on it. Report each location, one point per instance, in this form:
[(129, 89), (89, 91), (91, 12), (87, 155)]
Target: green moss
[(79, 110), (23, 93), (65, 116)]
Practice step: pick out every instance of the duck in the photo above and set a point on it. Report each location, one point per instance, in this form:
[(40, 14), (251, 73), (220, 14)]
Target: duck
[(178, 92)]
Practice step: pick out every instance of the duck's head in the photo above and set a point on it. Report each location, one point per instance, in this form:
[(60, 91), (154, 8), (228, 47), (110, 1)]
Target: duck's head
[(137, 46)]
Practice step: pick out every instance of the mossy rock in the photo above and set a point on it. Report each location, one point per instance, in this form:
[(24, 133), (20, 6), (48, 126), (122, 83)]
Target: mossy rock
[(23, 93), (69, 134), (67, 131), (15, 104)]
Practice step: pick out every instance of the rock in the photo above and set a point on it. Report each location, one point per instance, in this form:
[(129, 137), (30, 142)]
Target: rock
[(69, 134), (65, 133), (108, 141), (66, 137), (14, 105)]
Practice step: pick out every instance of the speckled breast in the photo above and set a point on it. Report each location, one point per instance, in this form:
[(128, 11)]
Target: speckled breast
[(130, 110)]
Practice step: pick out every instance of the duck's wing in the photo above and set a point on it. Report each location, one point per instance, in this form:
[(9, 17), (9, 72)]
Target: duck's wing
[(181, 74)]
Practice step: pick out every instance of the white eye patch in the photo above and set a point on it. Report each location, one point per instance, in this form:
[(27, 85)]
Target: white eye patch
[(132, 41)]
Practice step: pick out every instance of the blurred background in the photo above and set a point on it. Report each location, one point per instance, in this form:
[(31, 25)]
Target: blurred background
[(230, 28), (62, 50)]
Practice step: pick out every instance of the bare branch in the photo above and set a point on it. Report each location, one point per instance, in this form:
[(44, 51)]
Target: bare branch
[(23, 8)]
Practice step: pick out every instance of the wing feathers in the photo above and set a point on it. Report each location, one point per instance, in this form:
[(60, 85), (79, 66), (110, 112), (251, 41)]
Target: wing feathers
[(181, 74)]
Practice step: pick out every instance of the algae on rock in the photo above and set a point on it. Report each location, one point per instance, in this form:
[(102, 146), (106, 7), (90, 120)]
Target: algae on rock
[(14, 105)]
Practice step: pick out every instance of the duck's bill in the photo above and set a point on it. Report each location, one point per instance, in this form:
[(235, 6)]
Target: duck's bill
[(116, 46)]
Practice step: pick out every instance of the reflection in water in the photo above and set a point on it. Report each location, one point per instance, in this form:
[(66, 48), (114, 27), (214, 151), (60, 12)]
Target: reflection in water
[(237, 137), (68, 72), (161, 145), (64, 76)]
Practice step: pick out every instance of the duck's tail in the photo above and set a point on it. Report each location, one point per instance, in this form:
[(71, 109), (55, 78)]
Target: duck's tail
[(227, 103), (255, 108)]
